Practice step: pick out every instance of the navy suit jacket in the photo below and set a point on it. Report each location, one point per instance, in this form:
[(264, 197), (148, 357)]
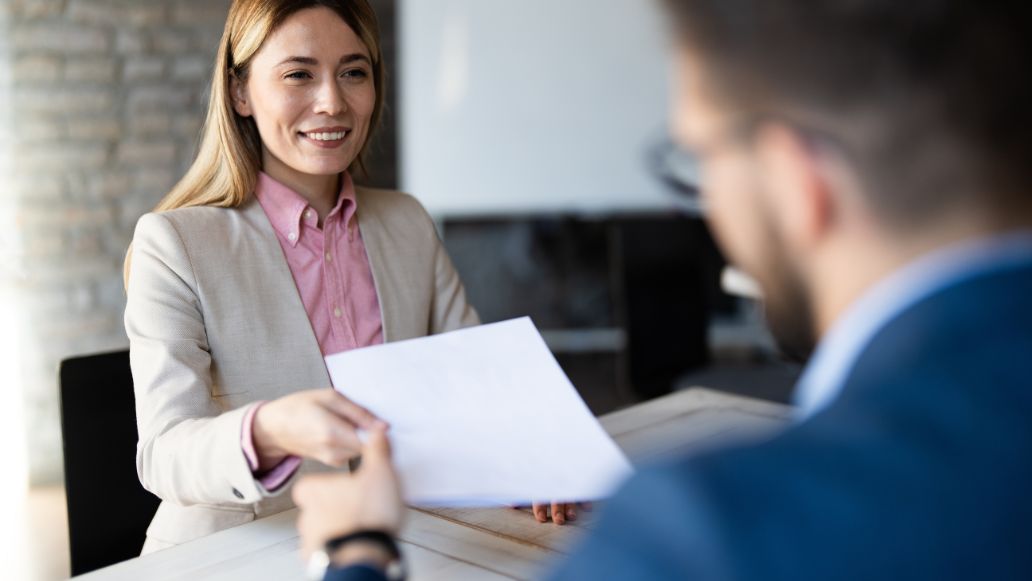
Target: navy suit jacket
[(921, 469)]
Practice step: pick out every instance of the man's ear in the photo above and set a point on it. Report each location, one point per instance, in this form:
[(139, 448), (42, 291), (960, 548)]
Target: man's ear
[(801, 196), (238, 95)]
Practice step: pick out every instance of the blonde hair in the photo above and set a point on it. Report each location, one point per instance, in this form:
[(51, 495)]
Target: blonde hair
[(225, 171)]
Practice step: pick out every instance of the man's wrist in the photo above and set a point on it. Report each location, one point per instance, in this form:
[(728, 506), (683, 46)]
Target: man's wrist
[(370, 548), (362, 552)]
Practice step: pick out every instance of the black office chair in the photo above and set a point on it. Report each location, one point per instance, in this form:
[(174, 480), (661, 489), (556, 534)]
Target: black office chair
[(108, 509)]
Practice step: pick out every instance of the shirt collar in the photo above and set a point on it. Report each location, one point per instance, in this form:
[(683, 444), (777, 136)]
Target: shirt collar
[(842, 346), (285, 208)]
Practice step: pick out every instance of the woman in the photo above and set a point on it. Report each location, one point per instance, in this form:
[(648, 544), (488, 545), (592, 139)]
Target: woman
[(264, 258)]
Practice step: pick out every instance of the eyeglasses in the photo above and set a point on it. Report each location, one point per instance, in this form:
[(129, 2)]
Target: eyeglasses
[(678, 171)]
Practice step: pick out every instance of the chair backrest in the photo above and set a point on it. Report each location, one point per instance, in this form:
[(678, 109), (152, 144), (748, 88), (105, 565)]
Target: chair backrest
[(108, 509)]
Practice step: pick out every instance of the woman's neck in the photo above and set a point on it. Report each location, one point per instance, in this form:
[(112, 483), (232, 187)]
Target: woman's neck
[(320, 191)]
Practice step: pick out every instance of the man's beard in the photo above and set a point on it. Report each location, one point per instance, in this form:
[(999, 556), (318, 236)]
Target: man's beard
[(789, 314), (787, 305)]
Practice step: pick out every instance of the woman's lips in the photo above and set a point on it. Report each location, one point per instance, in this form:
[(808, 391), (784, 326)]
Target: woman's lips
[(326, 138)]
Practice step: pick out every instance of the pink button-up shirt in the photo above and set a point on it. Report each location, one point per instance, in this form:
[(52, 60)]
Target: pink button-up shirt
[(332, 273)]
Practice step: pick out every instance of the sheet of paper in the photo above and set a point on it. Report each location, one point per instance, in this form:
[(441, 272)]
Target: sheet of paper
[(483, 416)]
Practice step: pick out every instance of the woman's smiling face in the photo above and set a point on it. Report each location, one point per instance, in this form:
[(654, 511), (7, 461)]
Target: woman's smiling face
[(311, 93)]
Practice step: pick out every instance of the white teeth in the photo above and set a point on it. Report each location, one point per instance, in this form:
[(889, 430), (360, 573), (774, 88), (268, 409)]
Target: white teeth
[(327, 136)]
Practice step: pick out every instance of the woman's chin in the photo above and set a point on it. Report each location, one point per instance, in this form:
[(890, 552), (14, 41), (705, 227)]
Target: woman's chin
[(323, 169)]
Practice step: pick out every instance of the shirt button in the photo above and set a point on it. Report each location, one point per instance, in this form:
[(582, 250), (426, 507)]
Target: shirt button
[(292, 236), (336, 312), (329, 257), (308, 214)]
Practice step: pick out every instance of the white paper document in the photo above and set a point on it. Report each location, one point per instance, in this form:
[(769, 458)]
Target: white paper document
[(482, 416)]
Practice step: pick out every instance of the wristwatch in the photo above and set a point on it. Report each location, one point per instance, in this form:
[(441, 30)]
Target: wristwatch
[(321, 560)]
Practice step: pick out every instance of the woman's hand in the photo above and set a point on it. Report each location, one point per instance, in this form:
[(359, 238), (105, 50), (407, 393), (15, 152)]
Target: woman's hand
[(336, 504), (559, 512), (317, 423)]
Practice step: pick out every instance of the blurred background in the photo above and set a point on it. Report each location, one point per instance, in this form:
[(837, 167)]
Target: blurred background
[(524, 127)]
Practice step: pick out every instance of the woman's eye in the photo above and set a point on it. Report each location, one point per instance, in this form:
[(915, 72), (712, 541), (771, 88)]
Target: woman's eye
[(298, 75), (354, 74)]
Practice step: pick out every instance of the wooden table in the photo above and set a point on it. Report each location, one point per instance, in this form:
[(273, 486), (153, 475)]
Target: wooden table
[(457, 544)]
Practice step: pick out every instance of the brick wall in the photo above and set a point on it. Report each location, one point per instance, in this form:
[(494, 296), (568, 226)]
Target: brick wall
[(103, 101), (105, 105)]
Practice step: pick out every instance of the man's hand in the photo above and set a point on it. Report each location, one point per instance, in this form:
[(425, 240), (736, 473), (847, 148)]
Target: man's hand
[(336, 504)]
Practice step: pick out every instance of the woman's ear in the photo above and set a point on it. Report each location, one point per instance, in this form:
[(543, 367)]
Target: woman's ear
[(238, 94)]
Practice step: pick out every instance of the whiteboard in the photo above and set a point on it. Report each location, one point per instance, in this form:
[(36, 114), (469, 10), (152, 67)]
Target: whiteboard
[(531, 106)]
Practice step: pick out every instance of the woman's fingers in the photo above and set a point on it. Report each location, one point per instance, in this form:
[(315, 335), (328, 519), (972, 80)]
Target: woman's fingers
[(350, 410), (540, 511), (316, 423), (341, 443), (558, 513)]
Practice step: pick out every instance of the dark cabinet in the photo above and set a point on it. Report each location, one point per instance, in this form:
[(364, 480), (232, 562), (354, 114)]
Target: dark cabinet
[(624, 301)]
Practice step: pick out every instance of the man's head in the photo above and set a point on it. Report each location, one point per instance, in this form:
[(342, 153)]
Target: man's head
[(837, 136)]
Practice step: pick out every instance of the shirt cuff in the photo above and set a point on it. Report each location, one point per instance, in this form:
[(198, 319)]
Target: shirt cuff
[(276, 476), (356, 572)]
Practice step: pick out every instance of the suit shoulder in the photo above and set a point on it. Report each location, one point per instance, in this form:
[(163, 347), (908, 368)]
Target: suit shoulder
[(199, 217), (390, 203), (194, 223)]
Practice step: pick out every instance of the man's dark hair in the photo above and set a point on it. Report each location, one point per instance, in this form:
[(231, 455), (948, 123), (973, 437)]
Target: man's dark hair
[(931, 100)]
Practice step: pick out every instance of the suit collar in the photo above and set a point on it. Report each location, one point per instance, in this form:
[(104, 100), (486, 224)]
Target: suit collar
[(842, 346), (287, 209), (283, 280)]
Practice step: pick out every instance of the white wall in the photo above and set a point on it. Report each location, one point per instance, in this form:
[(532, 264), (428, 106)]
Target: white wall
[(528, 106)]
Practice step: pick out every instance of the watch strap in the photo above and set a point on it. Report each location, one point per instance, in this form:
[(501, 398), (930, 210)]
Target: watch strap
[(382, 538)]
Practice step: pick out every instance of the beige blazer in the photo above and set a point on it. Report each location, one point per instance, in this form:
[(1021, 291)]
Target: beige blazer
[(215, 324)]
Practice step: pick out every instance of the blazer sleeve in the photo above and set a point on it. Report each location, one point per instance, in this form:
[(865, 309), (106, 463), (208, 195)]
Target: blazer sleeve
[(189, 451)]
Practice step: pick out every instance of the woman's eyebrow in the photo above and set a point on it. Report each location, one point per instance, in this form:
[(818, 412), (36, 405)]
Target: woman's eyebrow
[(303, 60), (307, 60), (350, 58)]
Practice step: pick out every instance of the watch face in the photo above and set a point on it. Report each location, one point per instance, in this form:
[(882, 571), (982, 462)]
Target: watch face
[(396, 570), (317, 565)]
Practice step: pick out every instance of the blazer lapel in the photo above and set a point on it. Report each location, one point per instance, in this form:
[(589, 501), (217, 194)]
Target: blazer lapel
[(374, 236), (295, 317)]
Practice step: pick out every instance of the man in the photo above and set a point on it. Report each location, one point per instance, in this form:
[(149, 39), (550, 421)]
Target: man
[(869, 163)]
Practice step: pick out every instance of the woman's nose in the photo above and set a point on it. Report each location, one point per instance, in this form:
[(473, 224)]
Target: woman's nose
[(331, 99)]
